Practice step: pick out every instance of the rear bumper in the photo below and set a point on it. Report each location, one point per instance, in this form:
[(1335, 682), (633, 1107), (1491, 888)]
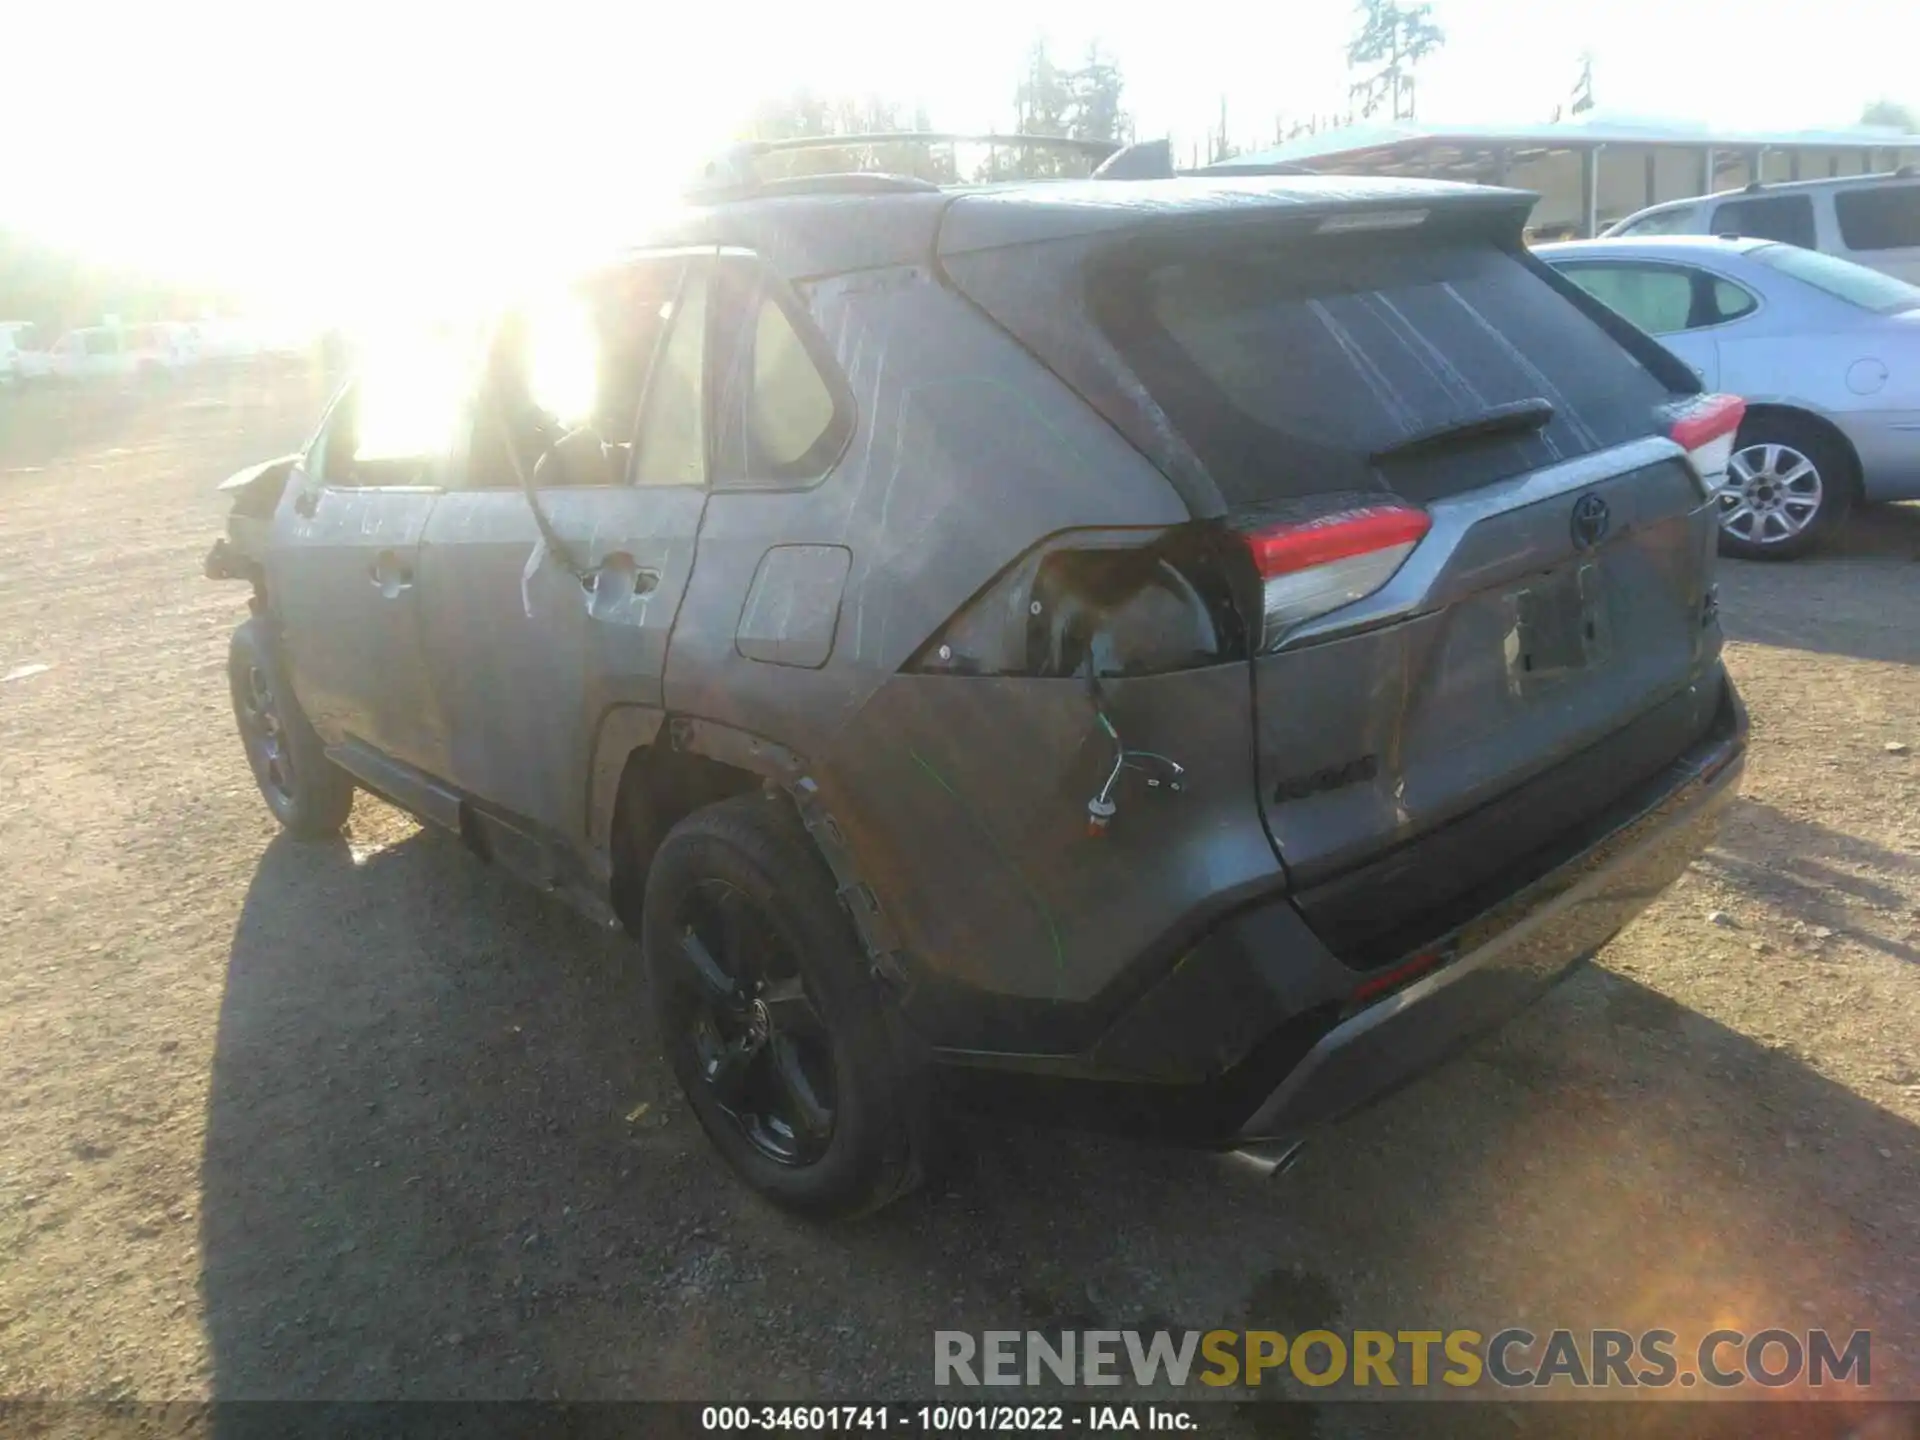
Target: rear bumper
[(1509, 955), (1256, 1032)]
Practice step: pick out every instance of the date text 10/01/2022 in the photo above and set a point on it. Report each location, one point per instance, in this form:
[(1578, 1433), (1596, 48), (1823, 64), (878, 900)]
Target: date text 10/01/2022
[(942, 1418)]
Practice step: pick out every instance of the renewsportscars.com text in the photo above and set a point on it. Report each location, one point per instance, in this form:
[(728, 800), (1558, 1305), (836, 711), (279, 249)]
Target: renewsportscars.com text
[(1412, 1359)]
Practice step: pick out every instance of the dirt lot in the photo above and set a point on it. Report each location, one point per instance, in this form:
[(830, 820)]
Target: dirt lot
[(363, 1120)]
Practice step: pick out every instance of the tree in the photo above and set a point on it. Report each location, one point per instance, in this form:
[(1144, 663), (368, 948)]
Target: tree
[(1395, 38), (1583, 86), (1094, 110), (1891, 113), (1220, 146), (803, 114), (1082, 104)]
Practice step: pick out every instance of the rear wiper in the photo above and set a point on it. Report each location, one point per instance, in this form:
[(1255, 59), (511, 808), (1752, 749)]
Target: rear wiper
[(1518, 417)]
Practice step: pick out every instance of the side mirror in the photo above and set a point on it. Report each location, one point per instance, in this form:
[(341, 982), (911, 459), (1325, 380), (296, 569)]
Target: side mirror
[(578, 458)]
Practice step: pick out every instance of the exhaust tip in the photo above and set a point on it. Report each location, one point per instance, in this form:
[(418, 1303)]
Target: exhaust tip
[(1271, 1160)]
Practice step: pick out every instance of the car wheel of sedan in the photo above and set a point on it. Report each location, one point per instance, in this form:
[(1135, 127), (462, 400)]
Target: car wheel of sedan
[(309, 795), (1788, 485), (765, 1011)]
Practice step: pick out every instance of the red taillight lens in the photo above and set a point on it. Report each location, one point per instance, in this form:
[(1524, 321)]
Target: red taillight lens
[(1705, 428), (1310, 567)]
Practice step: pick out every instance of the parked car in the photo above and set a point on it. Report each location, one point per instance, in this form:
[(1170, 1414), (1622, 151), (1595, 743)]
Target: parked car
[(20, 360), (1825, 353), (95, 352), (1198, 671), (1872, 220)]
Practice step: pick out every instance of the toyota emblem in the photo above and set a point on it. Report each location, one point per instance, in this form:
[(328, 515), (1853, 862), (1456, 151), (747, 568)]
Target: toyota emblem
[(1590, 521)]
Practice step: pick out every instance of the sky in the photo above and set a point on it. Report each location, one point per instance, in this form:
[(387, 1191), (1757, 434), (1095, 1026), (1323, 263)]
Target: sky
[(352, 153)]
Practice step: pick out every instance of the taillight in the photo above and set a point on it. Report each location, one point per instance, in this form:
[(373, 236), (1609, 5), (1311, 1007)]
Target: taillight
[(1704, 427), (1310, 567)]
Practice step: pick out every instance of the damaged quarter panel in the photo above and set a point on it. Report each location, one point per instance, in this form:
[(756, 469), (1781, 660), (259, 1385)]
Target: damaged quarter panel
[(967, 799), (966, 454)]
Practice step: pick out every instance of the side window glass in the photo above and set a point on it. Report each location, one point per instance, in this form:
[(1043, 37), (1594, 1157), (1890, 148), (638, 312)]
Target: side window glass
[(330, 456), (621, 353), (671, 446), (789, 406), (1886, 217), (1731, 301), (390, 427), (1786, 218), (1657, 299), (783, 420)]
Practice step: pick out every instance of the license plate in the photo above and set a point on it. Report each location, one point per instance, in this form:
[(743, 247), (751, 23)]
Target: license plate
[(1558, 628)]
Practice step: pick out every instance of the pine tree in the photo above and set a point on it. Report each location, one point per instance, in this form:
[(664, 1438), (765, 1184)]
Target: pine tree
[(1395, 38)]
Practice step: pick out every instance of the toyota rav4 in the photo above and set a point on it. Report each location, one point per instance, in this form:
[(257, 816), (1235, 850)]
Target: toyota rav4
[(1190, 652)]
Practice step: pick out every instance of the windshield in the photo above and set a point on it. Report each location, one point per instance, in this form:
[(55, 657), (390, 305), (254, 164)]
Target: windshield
[(1842, 279)]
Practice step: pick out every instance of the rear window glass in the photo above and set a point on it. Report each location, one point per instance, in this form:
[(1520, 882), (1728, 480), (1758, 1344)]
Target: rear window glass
[(1886, 217), (1288, 368), (1786, 218), (1842, 279)]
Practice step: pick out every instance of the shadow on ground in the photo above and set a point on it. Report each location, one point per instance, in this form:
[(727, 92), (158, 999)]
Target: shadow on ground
[(442, 1161), (1809, 872), (1858, 595)]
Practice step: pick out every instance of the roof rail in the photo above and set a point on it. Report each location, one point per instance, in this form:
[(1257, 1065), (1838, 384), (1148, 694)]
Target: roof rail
[(734, 173)]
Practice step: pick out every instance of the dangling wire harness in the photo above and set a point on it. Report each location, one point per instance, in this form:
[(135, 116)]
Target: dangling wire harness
[(1159, 769)]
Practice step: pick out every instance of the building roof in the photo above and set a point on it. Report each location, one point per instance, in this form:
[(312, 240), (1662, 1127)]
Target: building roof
[(1356, 146)]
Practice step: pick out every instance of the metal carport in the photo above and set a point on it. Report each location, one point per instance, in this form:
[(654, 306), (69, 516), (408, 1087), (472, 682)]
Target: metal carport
[(1592, 171)]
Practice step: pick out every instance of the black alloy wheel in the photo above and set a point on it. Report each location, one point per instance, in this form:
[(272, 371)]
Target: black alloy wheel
[(757, 1040)]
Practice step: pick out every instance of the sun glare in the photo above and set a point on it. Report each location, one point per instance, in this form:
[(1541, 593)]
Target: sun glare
[(562, 378), (410, 394)]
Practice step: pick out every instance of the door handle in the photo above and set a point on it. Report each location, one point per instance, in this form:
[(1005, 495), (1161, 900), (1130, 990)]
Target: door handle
[(620, 568), (390, 574)]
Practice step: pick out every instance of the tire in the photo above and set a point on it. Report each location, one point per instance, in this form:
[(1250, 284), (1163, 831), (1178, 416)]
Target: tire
[(1789, 485), (308, 794), (764, 1008)]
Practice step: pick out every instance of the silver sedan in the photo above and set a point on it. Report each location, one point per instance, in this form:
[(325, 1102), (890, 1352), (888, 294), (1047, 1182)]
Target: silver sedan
[(1825, 352)]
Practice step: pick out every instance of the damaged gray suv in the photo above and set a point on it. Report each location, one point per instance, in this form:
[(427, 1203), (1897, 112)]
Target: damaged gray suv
[(1183, 653)]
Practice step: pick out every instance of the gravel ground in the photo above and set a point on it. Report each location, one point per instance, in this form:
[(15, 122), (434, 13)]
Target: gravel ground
[(365, 1121)]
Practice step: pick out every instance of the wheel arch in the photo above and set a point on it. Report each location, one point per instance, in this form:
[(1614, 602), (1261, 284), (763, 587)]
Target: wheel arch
[(651, 770)]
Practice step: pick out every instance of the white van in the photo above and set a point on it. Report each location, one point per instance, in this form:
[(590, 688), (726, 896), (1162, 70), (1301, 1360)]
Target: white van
[(100, 351), (1872, 220), (19, 359)]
